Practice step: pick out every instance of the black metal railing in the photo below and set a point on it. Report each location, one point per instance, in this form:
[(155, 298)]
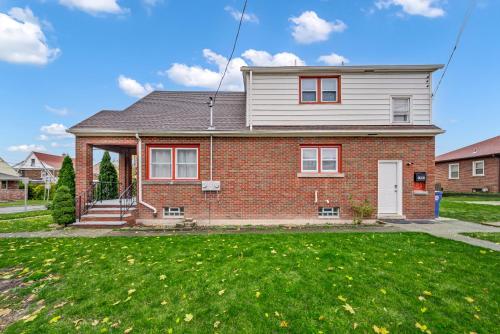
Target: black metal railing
[(96, 192), (127, 200)]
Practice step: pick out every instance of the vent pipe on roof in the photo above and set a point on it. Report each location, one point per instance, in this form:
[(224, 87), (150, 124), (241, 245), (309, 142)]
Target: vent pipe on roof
[(211, 106)]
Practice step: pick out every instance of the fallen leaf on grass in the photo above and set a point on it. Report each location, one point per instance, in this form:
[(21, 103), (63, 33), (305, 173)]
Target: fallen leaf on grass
[(164, 302), (348, 308), (469, 299), (188, 317), (61, 304), (342, 298), (380, 330), (216, 324), (128, 330), (423, 328), (383, 291), (427, 293), (54, 319), (257, 294), (221, 292), (162, 277), (283, 324), (131, 291)]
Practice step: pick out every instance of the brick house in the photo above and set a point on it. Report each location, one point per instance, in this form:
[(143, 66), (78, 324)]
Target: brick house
[(40, 167), (474, 168), (298, 143), (9, 183)]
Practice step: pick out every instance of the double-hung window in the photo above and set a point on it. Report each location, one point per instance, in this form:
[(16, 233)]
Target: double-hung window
[(319, 89), (478, 168), (4, 185), (453, 171), (173, 163), (401, 109), (319, 159)]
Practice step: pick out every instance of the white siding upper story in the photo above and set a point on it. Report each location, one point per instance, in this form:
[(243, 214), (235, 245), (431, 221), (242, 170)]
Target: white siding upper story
[(365, 98)]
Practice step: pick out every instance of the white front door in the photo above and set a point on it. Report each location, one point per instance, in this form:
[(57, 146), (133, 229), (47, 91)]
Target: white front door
[(389, 188)]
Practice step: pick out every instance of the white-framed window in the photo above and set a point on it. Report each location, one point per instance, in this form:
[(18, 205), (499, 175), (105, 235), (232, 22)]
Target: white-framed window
[(186, 163), (329, 158), (453, 171), (324, 212), (309, 89), (160, 163), (173, 212), (32, 162), (478, 168), (401, 109), (309, 159), (4, 185), (329, 89)]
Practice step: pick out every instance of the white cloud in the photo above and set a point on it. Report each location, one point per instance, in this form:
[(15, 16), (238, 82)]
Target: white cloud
[(22, 40), (95, 6), (333, 59), (427, 8), (57, 111), (309, 28), (197, 76), (56, 144), (236, 14), (54, 130), (26, 148), (133, 88)]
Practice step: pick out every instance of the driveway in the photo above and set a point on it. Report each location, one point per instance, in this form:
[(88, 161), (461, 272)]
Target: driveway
[(16, 209), (452, 229)]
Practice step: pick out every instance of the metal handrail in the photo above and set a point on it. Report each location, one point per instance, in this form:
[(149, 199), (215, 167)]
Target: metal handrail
[(126, 200), (89, 197)]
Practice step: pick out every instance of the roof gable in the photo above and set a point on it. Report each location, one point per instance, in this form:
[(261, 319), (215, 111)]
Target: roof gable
[(6, 169)]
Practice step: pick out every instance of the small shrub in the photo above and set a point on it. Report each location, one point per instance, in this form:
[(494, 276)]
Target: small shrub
[(67, 175), (63, 207), (361, 210)]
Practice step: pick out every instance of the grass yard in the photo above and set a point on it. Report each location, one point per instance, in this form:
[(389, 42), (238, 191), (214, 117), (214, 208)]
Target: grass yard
[(25, 221), (457, 208), (491, 236), (21, 203), (250, 283)]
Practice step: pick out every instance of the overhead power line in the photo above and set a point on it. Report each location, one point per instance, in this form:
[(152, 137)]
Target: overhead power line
[(232, 51), (467, 16)]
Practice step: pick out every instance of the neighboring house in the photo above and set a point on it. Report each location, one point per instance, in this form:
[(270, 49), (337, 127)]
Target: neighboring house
[(298, 143), (474, 168), (40, 167), (9, 183)]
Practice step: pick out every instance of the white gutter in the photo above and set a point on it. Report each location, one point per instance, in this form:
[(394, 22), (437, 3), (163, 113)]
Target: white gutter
[(139, 176), (250, 103)]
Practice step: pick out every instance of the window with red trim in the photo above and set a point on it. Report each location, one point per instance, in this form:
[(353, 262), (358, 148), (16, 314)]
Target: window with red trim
[(320, 159), (173, 162), (319, 89)]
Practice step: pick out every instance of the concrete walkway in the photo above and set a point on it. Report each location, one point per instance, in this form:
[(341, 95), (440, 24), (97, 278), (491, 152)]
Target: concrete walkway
[(452, 229), (17, 209)]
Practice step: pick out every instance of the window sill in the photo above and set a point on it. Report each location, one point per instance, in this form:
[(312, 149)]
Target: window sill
[(321, 175), (478, 175), (172, 182), (420, 193)]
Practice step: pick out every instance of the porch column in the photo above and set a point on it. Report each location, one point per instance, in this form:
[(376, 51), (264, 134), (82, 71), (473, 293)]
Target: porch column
[(125, 169), (83, 164)]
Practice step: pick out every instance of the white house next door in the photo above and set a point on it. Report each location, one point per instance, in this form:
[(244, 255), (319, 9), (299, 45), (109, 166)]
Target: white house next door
[(390, 188)]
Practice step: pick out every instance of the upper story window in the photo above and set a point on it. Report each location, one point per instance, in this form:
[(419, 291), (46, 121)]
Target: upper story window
[(32, 162), (319, 159), (319, 89), (400, 109), (453, 171), (173, 162), (478, 168)]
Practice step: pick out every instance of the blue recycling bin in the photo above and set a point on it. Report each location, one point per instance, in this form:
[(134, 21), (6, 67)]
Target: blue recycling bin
[(438, 196)]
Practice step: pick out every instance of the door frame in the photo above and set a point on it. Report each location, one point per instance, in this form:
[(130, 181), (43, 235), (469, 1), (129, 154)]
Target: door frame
[(399, 179)]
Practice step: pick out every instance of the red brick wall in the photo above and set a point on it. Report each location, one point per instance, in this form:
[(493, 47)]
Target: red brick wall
[(259, 176), (12, 193), (32, 174), (466, 181)]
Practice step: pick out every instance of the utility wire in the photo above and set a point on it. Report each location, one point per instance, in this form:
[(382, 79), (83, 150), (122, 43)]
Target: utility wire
[(467, 16), (232, 52)]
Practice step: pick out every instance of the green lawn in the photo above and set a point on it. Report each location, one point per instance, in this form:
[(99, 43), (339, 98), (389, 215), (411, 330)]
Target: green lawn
[(21, 203), (252, 283), (457, 208), (25, 221), (491, 236)]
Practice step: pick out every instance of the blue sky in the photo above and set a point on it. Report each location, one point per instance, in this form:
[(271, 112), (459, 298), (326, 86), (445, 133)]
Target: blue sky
[(71, 58)]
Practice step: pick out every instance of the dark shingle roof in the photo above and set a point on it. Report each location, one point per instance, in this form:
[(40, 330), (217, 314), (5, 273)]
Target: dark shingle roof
[(173, 111)]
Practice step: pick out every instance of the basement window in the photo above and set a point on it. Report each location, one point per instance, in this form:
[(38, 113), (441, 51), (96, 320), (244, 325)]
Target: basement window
[(173, 212), (328, 212)]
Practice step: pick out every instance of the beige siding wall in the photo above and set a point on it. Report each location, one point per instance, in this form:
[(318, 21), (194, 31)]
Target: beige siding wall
[(273, 99)]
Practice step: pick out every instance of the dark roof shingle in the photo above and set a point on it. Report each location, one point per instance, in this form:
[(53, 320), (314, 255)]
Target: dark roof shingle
[(483, 148)]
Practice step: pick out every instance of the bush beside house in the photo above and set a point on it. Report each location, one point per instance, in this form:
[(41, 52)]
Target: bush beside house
[(67, 176), (63, 206)]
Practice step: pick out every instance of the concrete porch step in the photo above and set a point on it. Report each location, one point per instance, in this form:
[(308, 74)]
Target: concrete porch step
[(100, 224), (101, 210), (105, 217)]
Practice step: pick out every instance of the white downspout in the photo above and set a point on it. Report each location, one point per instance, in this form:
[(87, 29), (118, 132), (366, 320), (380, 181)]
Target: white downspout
[(139, 176), (250, 104)]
